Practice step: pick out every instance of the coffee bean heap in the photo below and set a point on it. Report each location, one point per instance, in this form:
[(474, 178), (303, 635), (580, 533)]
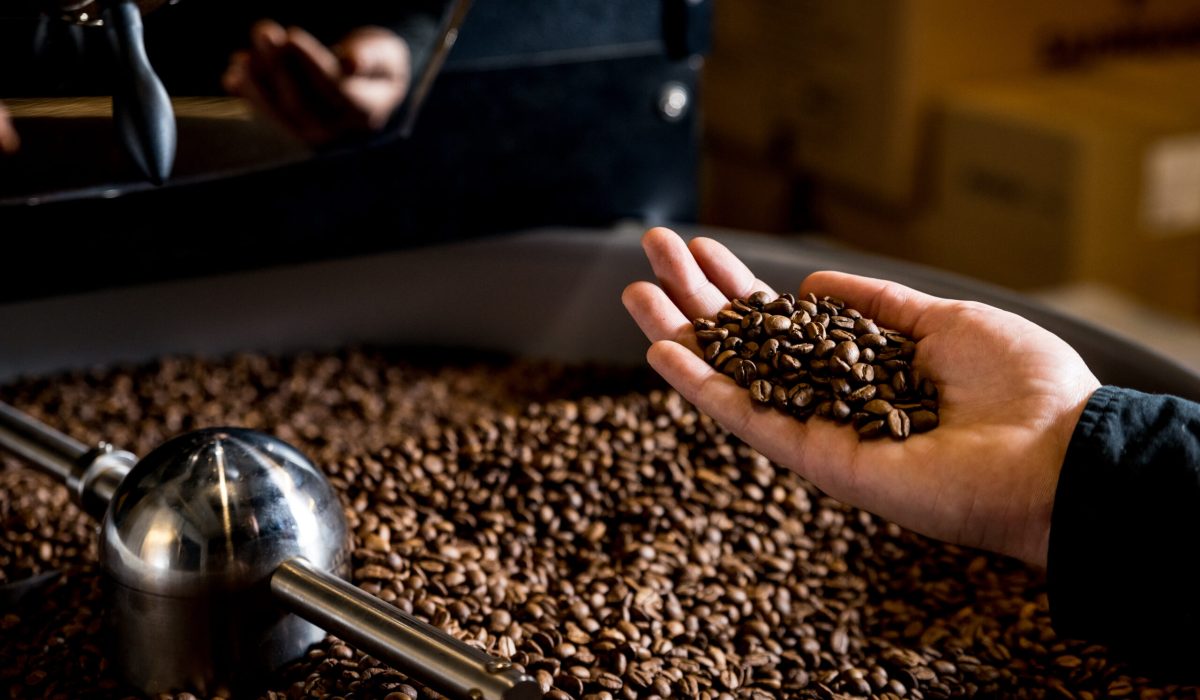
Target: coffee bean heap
[(818, 357), (582, 522)]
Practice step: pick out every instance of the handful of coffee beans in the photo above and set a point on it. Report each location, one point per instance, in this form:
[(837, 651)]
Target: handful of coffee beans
[(818, 357)]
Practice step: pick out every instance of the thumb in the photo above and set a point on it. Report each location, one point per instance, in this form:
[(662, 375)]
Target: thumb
[(374, 52)]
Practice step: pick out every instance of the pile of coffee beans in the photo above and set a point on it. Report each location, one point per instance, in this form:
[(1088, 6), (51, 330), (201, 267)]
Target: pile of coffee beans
[(584, 522), (818, 357)]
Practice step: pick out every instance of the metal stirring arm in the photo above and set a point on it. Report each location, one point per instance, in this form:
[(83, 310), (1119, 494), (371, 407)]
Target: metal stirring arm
[(415, 648), (91, 474)]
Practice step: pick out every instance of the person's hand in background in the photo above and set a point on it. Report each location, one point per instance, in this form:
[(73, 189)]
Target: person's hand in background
[(1010, 396), (9, 141), (322, 94)]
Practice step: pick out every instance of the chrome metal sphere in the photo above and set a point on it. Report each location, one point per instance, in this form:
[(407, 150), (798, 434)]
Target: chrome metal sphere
[(189, 542)]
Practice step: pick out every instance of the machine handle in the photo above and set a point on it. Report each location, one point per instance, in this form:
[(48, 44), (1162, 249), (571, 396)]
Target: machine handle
[(415, 648), (142, 109)]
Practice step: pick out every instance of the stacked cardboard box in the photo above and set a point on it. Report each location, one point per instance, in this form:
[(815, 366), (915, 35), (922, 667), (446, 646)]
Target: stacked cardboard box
[(843, 90), (1089, 177)]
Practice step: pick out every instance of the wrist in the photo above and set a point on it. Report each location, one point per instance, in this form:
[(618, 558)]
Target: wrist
[(1035, 549)]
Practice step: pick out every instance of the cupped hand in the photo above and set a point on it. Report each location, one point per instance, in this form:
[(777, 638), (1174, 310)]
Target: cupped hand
[(322, 94), (1010, 396)]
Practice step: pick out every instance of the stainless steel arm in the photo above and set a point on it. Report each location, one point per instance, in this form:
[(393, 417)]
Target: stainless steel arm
[(424, 652), (92, 474), (44, 447)]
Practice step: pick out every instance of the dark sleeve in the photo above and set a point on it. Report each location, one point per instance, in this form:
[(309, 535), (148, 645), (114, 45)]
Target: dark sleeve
[(1124, 558)]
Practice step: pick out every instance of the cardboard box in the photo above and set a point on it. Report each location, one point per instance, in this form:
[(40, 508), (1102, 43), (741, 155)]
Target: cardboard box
[(843, 88), (1057, 180)]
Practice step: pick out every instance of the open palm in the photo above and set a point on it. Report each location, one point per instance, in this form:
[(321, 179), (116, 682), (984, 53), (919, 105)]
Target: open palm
[(1010, 394)]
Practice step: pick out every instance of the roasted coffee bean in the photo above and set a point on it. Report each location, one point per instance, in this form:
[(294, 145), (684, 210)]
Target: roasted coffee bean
[(840, 336), (741, 306), (840, 411), (809, 306), (744, 373), (871, 429), (824, 347), (900, 382), (840, 386), (862, 372), (898, 424), (760, 391), (801, 396), (814, 331), (711, 352), (847, 352), (923, 421), (872, 340), (752, 320), (708, 336), (837, 366), (729, 316), (769, 349), (759, 299), (865, 326), (802, 349), (724, 357), (777, 325), (779, 397), (862, 394), (703, 324), (842, 322), (878, 407), (748, 349), (780, 307), (786, 363)]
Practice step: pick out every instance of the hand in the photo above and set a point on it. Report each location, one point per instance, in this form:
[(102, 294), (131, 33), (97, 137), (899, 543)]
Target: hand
[(322, 94), (9, 142), (1010, 394)]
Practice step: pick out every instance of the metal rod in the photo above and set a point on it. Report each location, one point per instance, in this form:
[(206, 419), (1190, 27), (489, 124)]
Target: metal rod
[(58, 455), (410, 646)]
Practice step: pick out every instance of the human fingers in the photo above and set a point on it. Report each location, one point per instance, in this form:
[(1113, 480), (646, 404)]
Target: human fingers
[(318, 65), (656, 314), (893, 305), (281, 82), (680, 275), (726, 270), (9, 141)]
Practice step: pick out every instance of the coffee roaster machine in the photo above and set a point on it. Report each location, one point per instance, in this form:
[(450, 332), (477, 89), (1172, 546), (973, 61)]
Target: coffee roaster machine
[(556, 134)]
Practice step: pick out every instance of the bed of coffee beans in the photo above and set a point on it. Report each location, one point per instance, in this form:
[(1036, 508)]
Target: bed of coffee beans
[(584, 522), (816, 356)]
